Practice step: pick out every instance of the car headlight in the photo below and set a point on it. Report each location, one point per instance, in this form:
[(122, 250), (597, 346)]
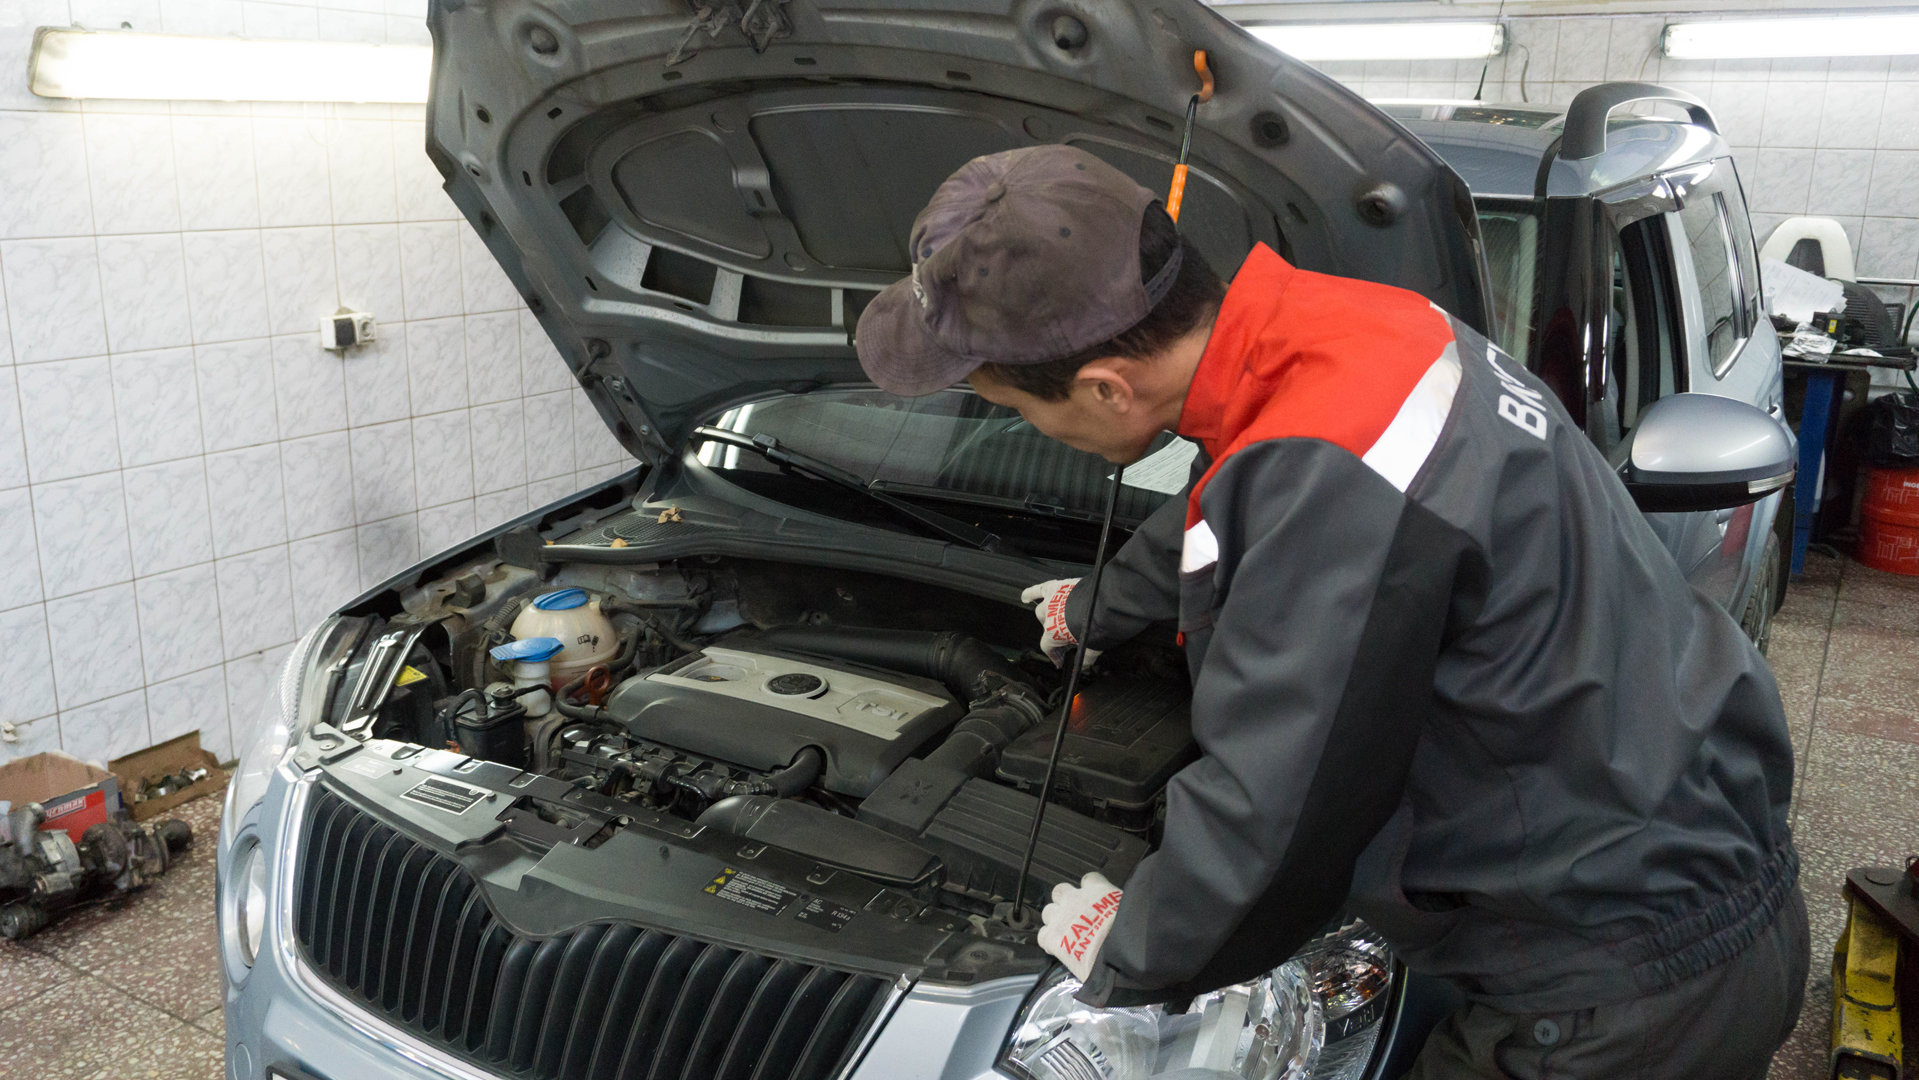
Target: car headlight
[(250, 902), (1316, 1016), (284, 717)]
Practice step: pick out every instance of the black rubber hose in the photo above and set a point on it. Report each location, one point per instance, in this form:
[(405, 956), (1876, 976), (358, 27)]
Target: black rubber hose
[(449, 717), (790, 781), (563, 704), (965, 664), (652, 621), (974, 745), (629, 648), (781, 783)]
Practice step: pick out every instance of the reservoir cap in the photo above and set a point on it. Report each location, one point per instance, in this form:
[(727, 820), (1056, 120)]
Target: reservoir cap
[(564, 600), (533, 648)]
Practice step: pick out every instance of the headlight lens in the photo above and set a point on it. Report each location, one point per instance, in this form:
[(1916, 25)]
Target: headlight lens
[(250, 904), (1316, 1016)]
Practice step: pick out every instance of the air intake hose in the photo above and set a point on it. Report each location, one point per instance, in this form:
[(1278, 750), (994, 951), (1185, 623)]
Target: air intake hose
[(990, 725), (1001, 703)]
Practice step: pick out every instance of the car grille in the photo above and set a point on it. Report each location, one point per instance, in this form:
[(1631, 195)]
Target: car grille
[(402, 930)]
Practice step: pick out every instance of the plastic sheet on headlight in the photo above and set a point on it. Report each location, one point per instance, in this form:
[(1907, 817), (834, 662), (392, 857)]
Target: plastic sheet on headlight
[(1316, 1017), (282, 720)]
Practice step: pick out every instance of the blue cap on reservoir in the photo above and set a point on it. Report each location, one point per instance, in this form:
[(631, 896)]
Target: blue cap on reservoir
[(533, 648), (564, 600)]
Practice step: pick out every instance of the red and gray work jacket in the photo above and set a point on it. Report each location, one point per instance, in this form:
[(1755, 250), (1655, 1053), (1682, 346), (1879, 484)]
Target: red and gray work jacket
[(1445, 678)]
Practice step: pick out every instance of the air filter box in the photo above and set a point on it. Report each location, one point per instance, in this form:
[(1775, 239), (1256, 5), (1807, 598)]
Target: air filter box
[(979, 830), (1125, 738)]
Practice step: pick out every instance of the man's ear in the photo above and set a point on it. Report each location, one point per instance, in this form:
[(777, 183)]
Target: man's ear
[(1108, 383)]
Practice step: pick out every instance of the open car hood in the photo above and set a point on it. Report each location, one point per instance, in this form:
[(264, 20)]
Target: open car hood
[(697, 199)]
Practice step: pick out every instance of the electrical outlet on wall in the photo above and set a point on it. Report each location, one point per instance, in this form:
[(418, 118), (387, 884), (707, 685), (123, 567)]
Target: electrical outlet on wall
[(344, 329)]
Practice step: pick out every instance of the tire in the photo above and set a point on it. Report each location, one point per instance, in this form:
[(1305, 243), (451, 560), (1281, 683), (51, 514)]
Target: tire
[(1756, 618)]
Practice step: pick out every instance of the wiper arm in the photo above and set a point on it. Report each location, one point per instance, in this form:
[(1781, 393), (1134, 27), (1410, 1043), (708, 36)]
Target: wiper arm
[(774, 451)]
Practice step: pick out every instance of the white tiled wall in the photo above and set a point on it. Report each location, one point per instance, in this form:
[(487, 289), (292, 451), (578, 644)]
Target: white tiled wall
[(186, 480), (1833, 138)]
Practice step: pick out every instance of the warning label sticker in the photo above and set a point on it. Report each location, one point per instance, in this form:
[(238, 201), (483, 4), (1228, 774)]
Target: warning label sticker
[(441, 795), (751, 890), (825, 914)]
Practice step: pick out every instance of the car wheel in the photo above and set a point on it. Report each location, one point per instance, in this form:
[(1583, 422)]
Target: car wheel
[(1756, 619)]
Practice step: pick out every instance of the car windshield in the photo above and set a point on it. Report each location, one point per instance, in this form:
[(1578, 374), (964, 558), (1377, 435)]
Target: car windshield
[(953, 446), (1510, 232)]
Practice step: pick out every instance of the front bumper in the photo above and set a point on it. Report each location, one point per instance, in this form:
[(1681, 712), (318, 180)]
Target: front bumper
[(283, 1020)]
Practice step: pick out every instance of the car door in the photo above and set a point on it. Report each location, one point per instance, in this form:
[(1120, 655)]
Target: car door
[(1648, 354), (1731, 351)]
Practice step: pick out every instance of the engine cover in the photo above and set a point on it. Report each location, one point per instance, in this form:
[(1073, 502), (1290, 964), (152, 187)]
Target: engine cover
[(759, 708)]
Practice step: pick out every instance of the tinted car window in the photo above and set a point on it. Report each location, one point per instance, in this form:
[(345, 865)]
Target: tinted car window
[(1643, 355), (1511, 236), (1704, 219), (1744, 251)]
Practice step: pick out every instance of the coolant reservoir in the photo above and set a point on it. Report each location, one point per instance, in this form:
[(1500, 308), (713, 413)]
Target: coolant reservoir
[(570, 615)]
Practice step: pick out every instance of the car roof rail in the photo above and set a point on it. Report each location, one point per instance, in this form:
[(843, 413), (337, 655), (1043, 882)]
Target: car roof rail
[(1587, 115)]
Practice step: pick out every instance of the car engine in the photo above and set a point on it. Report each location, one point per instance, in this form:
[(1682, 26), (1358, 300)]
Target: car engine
[(825, 713)]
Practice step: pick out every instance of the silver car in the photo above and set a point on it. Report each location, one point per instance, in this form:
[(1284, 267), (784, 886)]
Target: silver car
[(1624, 272), (773, 828)]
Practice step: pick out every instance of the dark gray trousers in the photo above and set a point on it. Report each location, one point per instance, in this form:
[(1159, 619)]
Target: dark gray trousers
[(1722, 1024)]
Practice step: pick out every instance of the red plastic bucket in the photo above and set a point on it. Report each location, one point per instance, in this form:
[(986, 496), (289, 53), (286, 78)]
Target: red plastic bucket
[(1893, 494), (1889, 521)]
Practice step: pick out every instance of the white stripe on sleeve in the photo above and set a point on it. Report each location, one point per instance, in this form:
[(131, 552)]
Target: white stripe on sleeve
[(1409, 440), (1201, 549)]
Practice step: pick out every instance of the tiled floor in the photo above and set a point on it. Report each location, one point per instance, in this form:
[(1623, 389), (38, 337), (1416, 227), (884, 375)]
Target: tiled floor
[(132, 990), (1845, 649)]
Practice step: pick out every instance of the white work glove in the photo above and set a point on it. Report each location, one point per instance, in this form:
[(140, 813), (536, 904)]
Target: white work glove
[(1055, 639), (1075, 923)]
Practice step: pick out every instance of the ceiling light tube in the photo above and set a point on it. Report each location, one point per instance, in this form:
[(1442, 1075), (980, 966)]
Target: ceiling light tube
[(121, 64), (1826, 35), (1384, 40)]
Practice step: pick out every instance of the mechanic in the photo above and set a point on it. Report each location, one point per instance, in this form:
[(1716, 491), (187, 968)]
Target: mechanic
[(1445, 678)]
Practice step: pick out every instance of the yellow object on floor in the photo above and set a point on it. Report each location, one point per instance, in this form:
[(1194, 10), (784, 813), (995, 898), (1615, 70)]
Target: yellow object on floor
[(1865, 1007)]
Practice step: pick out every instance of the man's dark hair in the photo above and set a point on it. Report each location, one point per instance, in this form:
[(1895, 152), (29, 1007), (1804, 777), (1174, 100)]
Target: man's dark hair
[(1194, 297)]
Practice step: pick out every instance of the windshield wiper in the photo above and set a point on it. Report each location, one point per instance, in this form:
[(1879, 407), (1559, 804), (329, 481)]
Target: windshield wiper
[(1029, 504), (774, 451)]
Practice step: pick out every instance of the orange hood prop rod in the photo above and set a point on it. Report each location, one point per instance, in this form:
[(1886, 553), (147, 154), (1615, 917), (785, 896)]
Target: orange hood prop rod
[(1177, 194)]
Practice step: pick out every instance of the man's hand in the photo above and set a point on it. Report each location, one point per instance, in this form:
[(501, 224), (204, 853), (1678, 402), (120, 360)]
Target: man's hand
[(1056, 638), (1074, 924)]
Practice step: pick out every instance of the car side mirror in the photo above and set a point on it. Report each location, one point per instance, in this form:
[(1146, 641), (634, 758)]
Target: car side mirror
[(1695, 452)]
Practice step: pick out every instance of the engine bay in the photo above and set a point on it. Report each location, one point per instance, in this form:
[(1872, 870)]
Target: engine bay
[(891, 729)]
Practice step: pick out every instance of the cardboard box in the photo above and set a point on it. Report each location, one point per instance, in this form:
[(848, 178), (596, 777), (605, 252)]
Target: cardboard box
[(77, 796), (166, 759)]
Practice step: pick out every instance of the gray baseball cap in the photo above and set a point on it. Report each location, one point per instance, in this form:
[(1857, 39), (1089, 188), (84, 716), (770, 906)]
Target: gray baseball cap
[(1021, 257)]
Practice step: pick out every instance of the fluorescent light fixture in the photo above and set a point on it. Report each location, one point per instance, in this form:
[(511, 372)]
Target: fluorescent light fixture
[(122, 64), (1385, 40), (1827, 35)]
